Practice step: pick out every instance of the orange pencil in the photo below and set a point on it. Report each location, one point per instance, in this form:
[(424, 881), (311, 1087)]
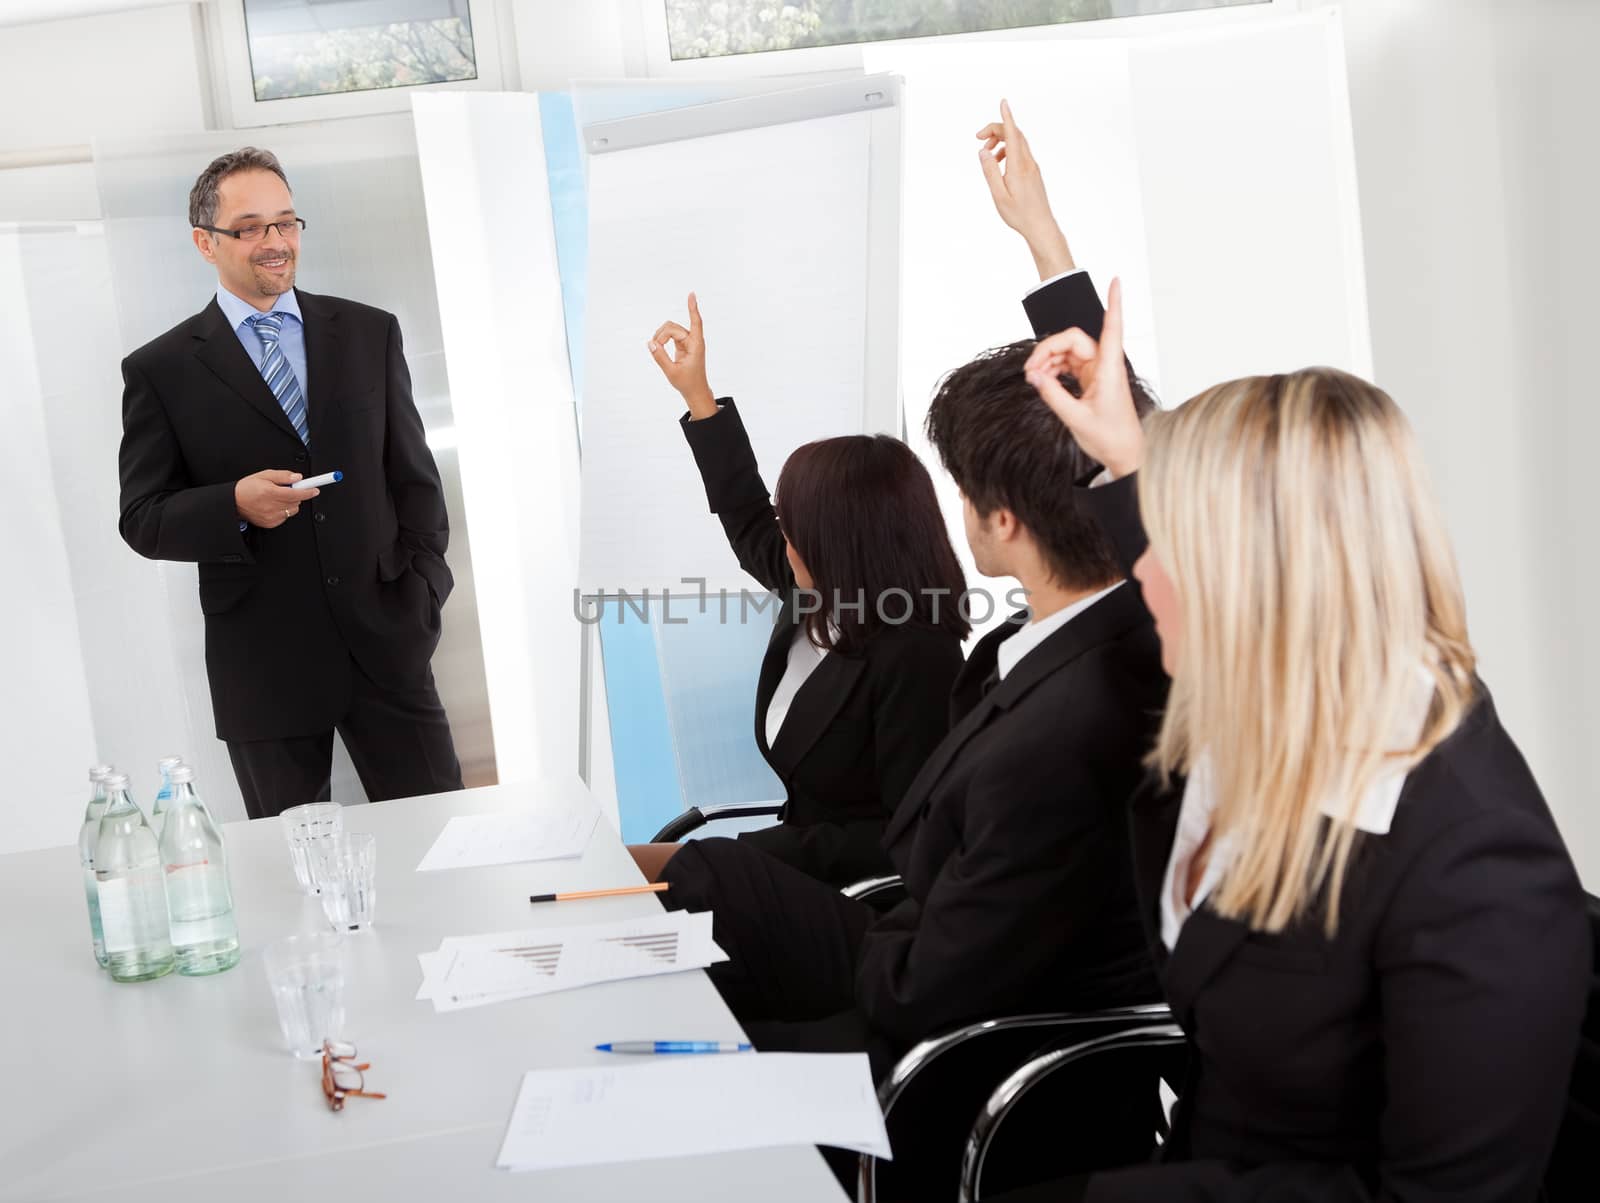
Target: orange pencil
[(656, 888)]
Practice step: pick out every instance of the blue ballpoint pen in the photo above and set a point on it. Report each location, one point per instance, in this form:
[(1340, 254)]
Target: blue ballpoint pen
[(672, 1046)]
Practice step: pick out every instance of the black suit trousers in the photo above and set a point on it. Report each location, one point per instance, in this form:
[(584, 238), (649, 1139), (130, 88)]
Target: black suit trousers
[(791, 940), (398, 739)]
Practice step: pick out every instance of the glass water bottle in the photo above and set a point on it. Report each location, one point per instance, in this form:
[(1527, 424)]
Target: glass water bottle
[(88, 837), (205, 938), (133, 894)]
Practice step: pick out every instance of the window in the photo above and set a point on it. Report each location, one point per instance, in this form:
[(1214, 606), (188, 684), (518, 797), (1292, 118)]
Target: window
[(282, 61), (322, 47), (715, 28)]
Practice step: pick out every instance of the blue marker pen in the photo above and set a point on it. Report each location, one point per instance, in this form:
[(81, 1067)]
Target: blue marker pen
[(316, 482), (649, 1047)]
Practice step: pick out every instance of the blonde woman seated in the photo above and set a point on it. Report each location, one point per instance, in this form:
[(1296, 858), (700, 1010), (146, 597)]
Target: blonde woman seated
[(1363, 915)]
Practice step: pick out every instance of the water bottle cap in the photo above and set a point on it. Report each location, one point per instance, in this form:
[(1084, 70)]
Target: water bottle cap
[(181, 774), (114, 781), (100, 772), (168, 763)]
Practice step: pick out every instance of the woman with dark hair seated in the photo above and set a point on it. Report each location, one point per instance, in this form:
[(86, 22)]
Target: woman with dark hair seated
[(855, 685)]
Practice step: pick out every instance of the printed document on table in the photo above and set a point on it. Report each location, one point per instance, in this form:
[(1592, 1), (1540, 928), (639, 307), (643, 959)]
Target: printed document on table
[(472, 971), (553, 833), (694, 1105)]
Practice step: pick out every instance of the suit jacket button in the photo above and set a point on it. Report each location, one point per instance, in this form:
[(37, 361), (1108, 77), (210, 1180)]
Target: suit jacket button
[(320, 516), (333, 580)]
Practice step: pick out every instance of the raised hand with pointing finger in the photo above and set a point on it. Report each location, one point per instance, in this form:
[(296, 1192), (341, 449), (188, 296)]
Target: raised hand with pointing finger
[(1017, 187), (685, 368), (1102, 418)]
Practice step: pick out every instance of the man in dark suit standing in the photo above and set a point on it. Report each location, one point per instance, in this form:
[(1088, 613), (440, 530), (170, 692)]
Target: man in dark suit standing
[(321, 605)]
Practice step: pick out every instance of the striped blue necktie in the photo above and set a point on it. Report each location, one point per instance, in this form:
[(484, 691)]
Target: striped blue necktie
[(275, 370)]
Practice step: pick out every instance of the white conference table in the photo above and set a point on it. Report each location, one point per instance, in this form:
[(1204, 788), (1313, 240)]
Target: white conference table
[(179, 1089)]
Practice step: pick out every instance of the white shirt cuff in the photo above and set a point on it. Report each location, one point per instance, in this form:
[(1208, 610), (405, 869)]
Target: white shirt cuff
[(1103, 478), (1051, 280)]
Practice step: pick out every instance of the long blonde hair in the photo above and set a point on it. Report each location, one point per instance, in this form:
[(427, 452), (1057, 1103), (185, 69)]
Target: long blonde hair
[(1296, 522)]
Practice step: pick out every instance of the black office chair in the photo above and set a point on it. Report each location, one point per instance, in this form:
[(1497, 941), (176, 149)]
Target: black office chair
[(697, 817), (1571, 1177), (930, 1096), (997, 1157)]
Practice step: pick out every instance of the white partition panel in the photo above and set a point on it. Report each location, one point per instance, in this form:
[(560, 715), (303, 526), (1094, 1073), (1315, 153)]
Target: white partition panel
[(47, 733), (489, 219), (1213, 172), (1247, 163), (965, 273)]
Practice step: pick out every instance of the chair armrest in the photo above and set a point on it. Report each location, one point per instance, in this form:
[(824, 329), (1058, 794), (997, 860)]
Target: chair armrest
[(867, 887), (1016, 1086), (698, 816), (1031, 1030), (926, 1052)]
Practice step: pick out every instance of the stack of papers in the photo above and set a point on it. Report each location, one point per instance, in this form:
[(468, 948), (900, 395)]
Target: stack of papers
[(693, 1105), (473, 971), (513, 836)]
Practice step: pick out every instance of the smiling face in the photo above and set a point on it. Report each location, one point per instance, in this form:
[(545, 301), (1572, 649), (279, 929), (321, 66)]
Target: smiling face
[(258, 271)]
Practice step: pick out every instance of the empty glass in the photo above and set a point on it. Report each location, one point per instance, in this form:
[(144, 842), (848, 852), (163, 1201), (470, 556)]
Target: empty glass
[(306, 973), (305, 825), (345, 869)]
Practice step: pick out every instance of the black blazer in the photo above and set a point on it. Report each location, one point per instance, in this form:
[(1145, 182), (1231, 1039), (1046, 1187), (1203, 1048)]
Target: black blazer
[(358, 572), (1013, 840), (1422, 1053), (861, 726)]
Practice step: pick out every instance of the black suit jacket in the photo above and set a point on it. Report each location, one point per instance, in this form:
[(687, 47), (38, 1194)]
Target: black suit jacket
[(359, 572), (1013, 840), (1422, 1053), (861, 726)]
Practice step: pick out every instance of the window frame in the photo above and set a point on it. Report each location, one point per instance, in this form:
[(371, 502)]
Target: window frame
[(235, 85), (650, 17)]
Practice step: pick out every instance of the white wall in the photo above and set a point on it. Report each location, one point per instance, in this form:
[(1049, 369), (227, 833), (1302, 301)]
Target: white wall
[(67, 82), (1474, 131)]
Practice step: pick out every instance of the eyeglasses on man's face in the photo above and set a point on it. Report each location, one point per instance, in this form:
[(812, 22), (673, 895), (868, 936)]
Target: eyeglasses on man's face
[(289, 228)]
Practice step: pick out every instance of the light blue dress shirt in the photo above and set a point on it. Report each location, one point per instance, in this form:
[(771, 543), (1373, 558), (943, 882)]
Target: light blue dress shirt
[(292, 339)]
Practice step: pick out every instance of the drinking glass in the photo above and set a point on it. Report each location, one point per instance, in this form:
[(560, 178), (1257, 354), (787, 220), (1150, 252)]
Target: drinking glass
[(344, 869), (304, 826), (306, 973)]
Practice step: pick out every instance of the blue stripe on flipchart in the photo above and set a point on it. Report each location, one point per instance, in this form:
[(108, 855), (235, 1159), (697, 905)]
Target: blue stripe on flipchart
[(569, 211)]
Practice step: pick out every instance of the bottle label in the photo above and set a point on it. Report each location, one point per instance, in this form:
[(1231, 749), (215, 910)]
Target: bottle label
[(199, 903), (133, 910)]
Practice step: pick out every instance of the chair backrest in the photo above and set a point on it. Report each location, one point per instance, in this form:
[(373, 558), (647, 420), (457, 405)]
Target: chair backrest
[(680, 690), (1575, 1165), (1092, 1105), (938, 1086)]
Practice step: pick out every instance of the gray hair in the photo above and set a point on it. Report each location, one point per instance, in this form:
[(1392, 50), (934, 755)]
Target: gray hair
[(203, 196)]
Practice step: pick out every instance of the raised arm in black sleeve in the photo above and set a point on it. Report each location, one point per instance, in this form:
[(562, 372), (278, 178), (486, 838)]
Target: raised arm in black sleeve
[(737, 496)]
